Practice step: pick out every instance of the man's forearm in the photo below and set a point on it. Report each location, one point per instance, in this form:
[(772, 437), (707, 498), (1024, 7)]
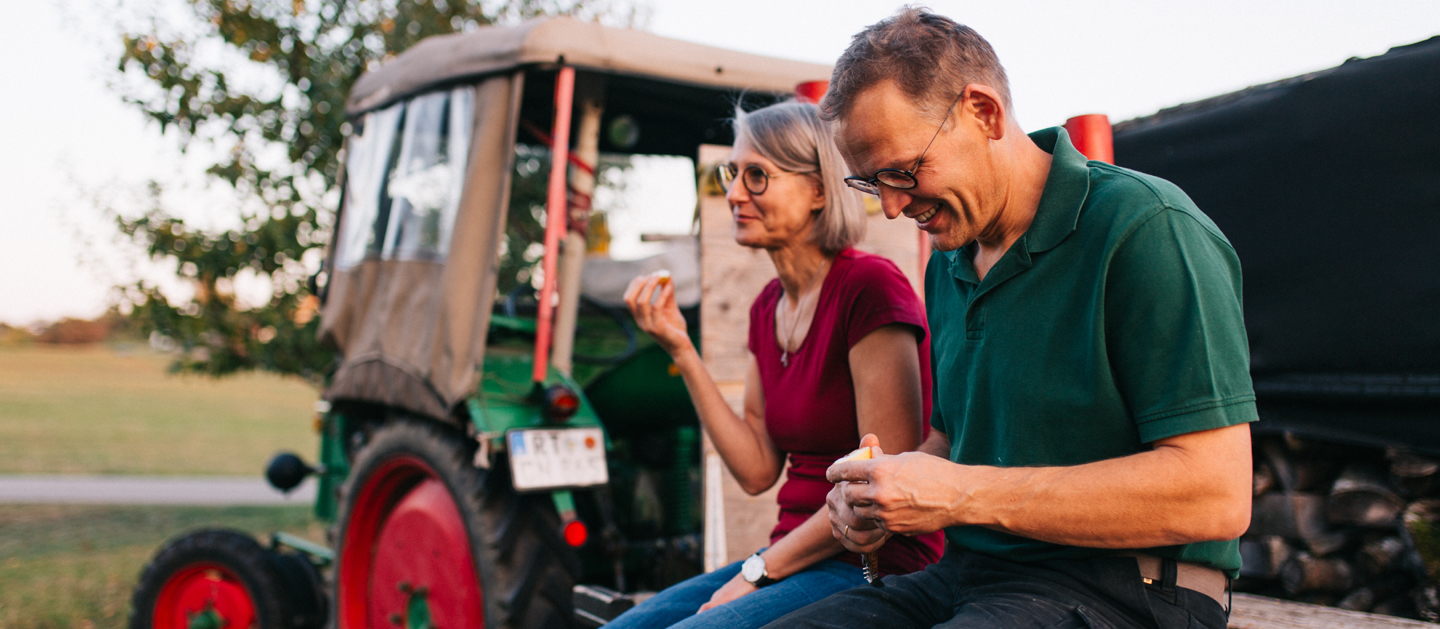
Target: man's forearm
[(1194, 489), (1188, 488)]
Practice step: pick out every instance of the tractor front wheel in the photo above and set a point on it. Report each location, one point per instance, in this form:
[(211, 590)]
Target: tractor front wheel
[(425, 539), (211, 578)]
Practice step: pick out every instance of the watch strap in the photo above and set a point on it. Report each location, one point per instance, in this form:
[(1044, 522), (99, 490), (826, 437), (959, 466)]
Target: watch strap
[(764, 579)]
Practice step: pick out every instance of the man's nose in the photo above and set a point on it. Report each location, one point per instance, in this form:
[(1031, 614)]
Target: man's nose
[(893, 201)]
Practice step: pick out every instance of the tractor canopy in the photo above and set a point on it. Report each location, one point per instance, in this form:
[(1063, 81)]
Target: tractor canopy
[(559, 41), (412, 266)]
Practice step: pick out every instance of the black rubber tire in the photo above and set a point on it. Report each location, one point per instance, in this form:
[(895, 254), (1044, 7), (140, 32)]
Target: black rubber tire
[(304, 589), (527, 571), (240, 553)]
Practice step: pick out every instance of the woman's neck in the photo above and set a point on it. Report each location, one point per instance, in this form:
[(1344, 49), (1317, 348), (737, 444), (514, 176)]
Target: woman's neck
[(798, 267)]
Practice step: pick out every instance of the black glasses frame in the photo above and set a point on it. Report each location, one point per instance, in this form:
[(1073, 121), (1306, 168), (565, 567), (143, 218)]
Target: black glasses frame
[(894, 177), (725, 175)]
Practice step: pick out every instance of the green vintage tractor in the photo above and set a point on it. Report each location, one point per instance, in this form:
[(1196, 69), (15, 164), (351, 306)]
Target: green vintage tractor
[(487, 447)]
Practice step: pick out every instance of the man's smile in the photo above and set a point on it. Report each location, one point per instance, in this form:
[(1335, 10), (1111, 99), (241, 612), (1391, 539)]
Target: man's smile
[(924, 217)]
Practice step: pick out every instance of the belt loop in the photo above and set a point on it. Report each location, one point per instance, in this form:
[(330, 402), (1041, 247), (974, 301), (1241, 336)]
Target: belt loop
[(1230, 599), (1169, 573)]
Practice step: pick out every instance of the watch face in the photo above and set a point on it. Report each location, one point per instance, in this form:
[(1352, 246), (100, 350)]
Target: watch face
[(753, 568)]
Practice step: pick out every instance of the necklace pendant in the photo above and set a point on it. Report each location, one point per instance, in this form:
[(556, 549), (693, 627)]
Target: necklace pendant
[(785, 358)]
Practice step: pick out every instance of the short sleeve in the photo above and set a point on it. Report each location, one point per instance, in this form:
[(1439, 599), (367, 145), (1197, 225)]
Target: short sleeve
[(879, 295), (1175, 328)]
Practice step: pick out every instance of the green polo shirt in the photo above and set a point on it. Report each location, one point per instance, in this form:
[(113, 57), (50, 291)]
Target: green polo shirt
[(1114, 321)]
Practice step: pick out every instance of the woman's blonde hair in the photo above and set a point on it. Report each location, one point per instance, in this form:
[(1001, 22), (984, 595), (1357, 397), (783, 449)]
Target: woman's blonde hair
[(792, 135)]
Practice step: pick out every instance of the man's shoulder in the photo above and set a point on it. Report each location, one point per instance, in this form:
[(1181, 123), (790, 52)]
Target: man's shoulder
[(1120, 200)]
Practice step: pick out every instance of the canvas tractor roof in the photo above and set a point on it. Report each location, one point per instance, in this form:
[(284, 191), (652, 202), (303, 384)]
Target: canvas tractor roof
[(428, 171), (438, 61)]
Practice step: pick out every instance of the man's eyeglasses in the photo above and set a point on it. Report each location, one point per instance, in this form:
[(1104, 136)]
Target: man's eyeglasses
[(753, 177), (894, 177)]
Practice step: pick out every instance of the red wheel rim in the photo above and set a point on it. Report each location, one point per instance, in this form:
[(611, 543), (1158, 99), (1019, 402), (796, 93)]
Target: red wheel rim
[(200, 588), (404, 539)]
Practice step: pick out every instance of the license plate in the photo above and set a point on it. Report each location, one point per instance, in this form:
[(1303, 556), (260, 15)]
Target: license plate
[(546, 458)]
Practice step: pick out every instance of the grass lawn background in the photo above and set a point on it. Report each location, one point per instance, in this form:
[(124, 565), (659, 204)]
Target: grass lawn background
[(103, 409), (73, 566)]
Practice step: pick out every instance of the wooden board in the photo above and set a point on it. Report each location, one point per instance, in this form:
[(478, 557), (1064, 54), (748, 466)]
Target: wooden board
[(1259, 612), (737, 524), (900, 241)]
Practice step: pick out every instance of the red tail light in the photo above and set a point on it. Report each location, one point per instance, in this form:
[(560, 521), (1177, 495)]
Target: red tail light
[(560, 402), (576, 533)]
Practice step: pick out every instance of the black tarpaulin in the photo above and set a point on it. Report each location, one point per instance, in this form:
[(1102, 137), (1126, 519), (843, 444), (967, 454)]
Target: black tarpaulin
[(1328, 185)]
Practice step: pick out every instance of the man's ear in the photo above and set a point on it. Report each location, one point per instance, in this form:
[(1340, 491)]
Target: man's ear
[(985, 107)]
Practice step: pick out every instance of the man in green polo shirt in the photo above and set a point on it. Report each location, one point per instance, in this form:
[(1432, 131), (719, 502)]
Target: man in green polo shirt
[(1090, 459)]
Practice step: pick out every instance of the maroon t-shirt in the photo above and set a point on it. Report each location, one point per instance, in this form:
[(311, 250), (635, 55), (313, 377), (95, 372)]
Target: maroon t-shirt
[(810, 405)]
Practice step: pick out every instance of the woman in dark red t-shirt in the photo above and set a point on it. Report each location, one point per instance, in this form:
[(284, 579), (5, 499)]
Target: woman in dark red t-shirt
[(838, 349)]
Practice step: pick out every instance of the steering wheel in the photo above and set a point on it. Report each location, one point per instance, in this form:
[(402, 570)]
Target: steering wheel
[(620, 316)]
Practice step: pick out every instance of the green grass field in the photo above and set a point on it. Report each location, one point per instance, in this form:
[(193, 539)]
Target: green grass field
[(67, 566), (111, 410), (114, 410)]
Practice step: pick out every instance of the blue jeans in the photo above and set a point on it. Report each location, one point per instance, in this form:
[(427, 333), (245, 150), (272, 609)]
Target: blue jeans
[(675, 607)]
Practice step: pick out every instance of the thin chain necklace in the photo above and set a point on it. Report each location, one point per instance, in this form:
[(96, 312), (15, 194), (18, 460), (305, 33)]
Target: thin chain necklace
[(799, 308)]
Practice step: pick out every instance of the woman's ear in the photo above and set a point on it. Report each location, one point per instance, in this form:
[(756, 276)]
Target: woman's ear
[(818, 202)]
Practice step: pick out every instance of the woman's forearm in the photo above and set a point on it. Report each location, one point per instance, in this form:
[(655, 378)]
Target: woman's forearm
[(740, 442), (809, 543)]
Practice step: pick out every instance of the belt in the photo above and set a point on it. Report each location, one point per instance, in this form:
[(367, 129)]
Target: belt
[(1191, 576)]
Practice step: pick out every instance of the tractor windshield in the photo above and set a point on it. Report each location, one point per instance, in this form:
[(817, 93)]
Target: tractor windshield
[(405, 172)]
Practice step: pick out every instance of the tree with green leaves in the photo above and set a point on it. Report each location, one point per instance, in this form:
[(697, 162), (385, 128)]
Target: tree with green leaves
[(265, 82)]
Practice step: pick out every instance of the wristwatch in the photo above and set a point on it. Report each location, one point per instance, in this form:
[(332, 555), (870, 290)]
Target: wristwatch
[(753, 571)]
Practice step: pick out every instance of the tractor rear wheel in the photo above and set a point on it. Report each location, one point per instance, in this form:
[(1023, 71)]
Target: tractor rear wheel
[(424, 538), (211, 578)]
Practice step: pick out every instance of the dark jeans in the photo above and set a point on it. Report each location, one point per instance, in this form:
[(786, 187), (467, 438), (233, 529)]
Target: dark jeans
[(970, 590)]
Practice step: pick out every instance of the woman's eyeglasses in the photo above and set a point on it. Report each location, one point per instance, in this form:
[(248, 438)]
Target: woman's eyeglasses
[(753, 177)]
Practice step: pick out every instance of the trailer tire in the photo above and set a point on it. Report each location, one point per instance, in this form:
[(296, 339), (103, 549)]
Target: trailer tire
[(219, 570), (413, 503)]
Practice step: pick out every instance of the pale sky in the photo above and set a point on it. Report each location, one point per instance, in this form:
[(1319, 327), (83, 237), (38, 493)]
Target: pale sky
[(68, 143)]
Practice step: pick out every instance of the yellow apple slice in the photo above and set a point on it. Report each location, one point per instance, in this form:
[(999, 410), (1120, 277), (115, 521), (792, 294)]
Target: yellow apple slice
[(858, 455)]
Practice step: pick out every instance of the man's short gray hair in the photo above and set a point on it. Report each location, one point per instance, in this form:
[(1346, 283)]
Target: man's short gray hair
[(792, 135), (930, 57)]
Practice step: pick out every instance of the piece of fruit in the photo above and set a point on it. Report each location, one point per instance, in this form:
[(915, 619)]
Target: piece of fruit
[(858, 455)]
